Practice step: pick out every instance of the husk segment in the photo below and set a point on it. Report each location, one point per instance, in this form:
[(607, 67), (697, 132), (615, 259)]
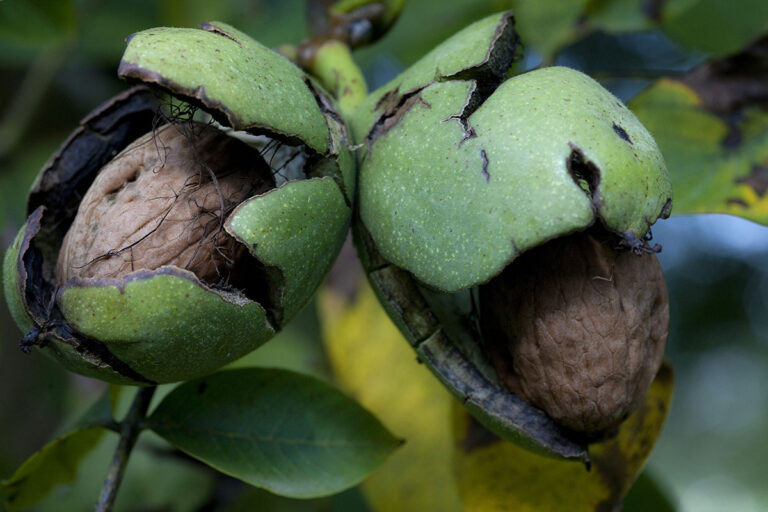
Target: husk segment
[(240, 82)]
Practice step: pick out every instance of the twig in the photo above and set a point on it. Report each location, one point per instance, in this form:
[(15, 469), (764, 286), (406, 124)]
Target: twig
[(130, 428)]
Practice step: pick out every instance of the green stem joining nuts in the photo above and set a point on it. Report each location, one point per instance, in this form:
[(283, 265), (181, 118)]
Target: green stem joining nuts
[(331, 62), (463, 172), (159, 248)]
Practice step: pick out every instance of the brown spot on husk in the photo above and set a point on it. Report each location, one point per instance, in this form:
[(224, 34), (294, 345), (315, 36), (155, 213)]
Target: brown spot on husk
[(621, 132), (484, 157)]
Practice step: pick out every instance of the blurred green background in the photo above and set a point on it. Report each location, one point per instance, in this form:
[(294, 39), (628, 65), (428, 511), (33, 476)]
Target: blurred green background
[(58, 59)]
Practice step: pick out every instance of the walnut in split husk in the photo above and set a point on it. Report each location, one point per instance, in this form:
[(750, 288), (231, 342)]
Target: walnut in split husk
[(164, 201), (190, 249), (577, 328), (467, 168)]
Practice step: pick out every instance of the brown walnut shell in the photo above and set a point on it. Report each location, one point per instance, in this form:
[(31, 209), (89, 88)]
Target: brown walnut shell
[(578, 329), (163, 201)]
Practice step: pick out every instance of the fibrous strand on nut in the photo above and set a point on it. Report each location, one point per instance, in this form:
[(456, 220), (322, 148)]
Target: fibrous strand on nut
[(163, 201)]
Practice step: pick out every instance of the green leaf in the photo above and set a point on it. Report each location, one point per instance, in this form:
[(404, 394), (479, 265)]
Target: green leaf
[(715, 26), (288, 433), (189, 13), (620, 15), (114, 391), (103, 412), (716, 167), (296, 348), (548, 25), (155, 479), (56, 463)]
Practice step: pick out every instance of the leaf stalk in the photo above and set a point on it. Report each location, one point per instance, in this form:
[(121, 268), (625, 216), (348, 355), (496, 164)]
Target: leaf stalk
[(129, 430)]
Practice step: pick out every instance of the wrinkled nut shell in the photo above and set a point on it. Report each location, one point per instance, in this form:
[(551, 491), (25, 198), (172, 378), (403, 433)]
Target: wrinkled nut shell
[(156, 204), (578, 330)]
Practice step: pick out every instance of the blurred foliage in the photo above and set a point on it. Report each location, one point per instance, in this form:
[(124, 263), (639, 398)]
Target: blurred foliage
[(714, 26), (710, 122), (54, 464), (58, 59), (384, 376), (38, 23), (645, 495), (695, 141), (157, 478)]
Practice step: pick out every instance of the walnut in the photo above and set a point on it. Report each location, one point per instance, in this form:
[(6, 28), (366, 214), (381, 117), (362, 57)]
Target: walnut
[(163, 201), (578, 330)]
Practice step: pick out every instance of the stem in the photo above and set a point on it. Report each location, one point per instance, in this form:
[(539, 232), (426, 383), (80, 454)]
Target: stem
[(129, 431), (332, 63)]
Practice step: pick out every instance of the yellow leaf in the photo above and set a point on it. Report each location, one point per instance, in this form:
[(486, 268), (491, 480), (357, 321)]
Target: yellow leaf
[(716, 165), (373, 363), (495, 476)]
